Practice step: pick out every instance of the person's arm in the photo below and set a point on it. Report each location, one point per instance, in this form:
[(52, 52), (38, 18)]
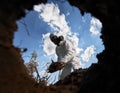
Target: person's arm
[(70, 52)]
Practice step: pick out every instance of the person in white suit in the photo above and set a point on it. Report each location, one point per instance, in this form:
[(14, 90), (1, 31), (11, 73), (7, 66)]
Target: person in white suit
[(66, 53)]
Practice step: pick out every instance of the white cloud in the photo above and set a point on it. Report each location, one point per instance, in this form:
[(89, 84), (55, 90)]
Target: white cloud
[(50, 13), (48, 46), (95, 26), (68, 13), (88, 53)]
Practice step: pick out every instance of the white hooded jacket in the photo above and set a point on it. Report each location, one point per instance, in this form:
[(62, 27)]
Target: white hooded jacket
[(67, 53)]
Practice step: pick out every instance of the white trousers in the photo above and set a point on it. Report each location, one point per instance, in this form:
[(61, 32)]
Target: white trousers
[(73, 64), (65, 71)]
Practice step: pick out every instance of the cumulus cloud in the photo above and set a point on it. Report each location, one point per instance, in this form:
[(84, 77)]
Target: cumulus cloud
[(68, 13), (88, 53), (95, 26), (48, 46), (50, 13)]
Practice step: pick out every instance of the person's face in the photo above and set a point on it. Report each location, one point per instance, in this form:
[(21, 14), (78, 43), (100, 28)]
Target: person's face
[(55, 40)]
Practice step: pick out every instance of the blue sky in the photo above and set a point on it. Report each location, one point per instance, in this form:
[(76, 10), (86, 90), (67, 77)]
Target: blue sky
[(62, 19)]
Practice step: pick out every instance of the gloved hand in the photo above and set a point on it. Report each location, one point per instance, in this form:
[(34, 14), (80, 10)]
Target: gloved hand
[(55, 66)]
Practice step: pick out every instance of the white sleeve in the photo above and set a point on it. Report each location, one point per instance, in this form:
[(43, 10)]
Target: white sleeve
[(70, 52)]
